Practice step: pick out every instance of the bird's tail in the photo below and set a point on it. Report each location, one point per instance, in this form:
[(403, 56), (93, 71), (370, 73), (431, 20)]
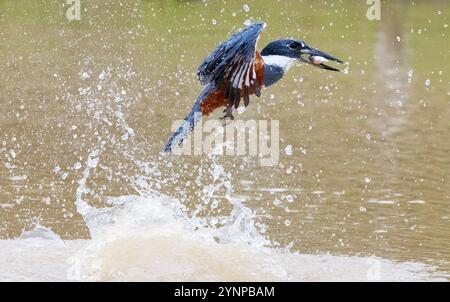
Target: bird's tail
[(189, 122)]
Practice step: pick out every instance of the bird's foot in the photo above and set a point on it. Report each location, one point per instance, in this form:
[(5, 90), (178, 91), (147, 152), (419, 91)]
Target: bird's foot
[(228, 114)]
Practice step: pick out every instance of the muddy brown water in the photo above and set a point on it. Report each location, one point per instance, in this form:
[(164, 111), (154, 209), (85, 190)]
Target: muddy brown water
[(370, 166)]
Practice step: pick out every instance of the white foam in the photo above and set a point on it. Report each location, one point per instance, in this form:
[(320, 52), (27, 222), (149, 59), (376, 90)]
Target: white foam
[(148, 238)]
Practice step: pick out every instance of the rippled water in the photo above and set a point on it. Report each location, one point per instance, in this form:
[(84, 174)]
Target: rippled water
[(86, 107)]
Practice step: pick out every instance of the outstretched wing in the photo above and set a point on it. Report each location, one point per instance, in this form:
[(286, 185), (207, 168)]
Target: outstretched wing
[(231, 65)]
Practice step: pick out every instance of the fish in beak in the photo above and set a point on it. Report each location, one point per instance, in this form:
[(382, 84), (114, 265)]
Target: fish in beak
[(317, 58)]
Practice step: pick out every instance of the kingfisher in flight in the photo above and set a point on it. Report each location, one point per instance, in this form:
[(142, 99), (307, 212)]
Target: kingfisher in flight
[(236, 69)]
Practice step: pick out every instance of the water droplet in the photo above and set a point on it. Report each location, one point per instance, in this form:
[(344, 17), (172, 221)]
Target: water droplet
[(92, 162), (410, 75), (246, 8), (84, 76), (46, 200), (288, 150)]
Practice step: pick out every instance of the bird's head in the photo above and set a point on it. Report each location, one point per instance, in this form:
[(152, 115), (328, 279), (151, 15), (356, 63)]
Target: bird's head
[(296, 50)]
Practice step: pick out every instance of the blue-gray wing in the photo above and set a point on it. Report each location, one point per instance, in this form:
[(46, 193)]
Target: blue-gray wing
[(231, 65)]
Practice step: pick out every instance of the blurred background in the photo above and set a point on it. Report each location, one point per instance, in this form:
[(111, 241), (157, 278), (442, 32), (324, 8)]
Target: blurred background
[(86, 107)]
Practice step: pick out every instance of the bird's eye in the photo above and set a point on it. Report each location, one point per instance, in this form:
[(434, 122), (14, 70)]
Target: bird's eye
[(293, 46)]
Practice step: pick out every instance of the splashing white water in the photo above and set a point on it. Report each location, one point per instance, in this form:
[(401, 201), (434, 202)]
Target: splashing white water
[(149, 238)]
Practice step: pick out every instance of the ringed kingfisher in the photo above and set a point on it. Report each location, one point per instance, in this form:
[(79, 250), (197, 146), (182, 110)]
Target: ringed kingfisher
[(236, 69)]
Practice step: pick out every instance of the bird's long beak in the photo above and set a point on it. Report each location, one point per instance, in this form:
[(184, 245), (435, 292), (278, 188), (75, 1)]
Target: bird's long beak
[(318, 58)]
